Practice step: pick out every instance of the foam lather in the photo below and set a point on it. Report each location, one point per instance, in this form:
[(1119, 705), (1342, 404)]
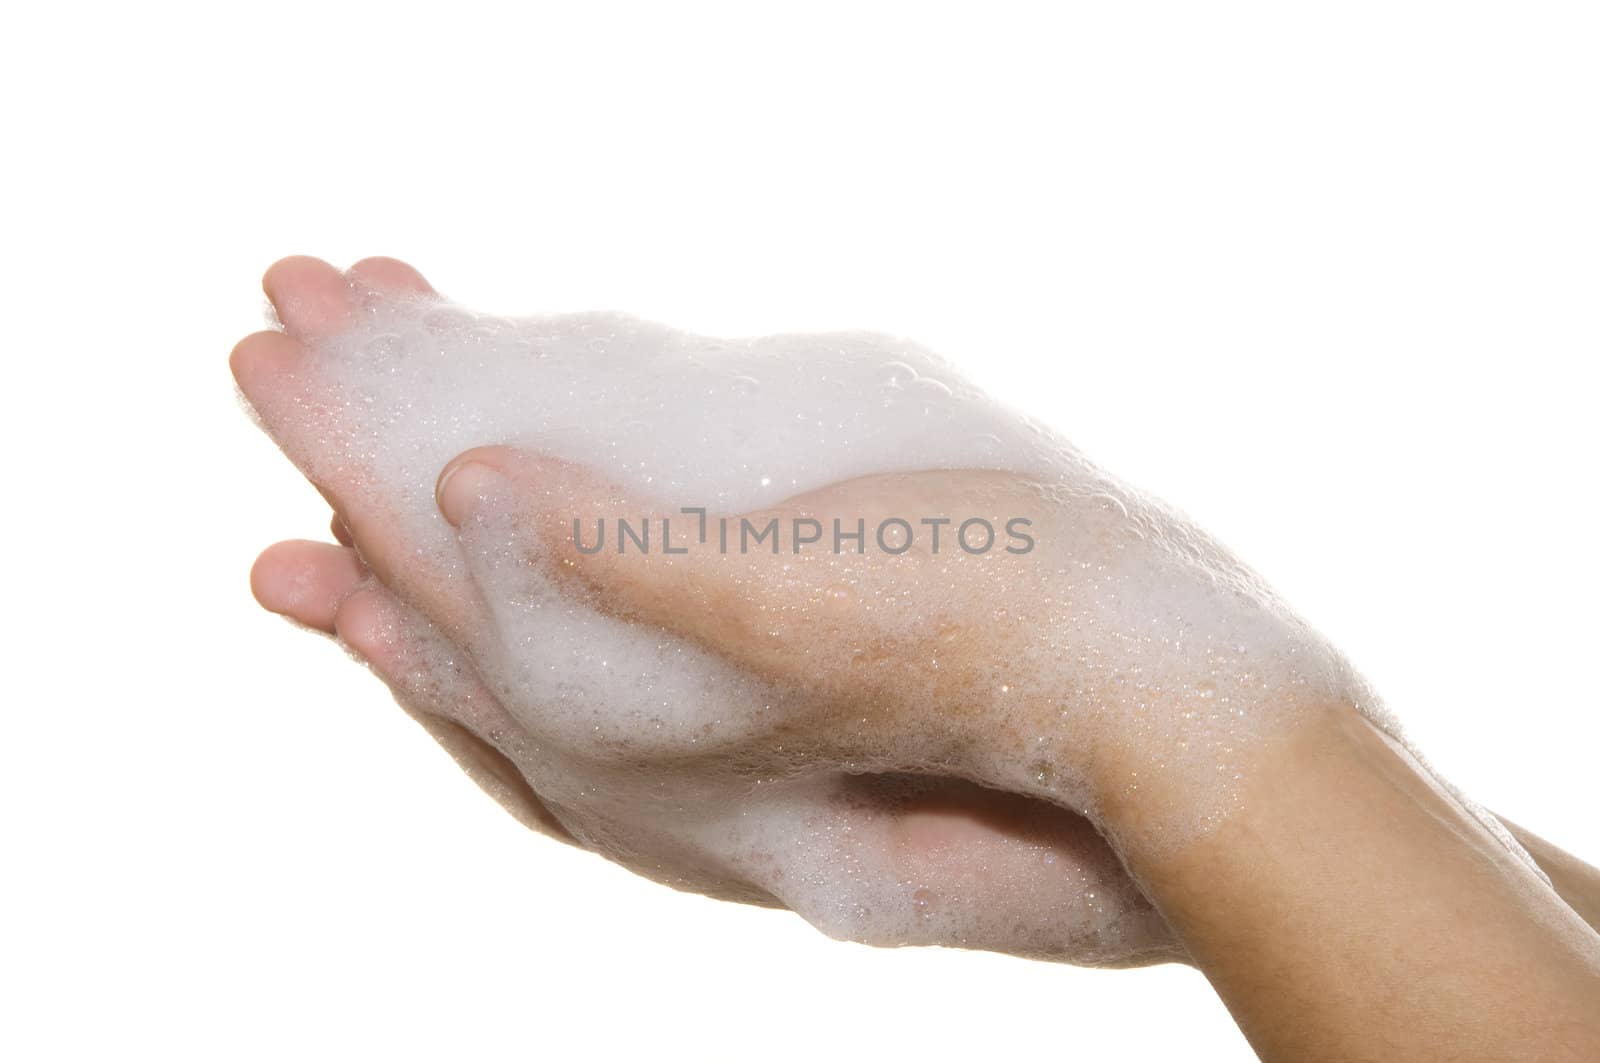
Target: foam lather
[(970, 823)]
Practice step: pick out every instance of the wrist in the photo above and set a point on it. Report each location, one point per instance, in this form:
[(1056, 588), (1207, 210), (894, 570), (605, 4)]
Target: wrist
[(1154, 804)]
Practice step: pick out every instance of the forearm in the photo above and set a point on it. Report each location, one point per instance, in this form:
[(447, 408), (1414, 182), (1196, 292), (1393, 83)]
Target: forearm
[(1350, 909)]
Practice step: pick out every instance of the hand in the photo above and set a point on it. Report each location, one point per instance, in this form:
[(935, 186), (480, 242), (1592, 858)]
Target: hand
[(1080, 645), (643, 747)]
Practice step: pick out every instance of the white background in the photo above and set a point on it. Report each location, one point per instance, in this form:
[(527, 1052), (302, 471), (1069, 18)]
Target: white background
[(1324, 275)]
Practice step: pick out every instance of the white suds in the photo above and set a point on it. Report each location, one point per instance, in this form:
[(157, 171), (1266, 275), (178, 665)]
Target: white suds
[(689, 769)]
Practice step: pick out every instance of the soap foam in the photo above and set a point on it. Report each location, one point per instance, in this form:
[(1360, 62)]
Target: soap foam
[(672, 761)]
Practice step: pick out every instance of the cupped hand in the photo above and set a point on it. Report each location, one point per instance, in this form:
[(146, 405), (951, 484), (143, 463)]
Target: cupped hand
[(1071, 642)]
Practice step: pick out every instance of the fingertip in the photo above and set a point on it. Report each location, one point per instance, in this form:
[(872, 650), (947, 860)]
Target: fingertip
[(390, 274), (364, 621), (466, 484), (305, 581), (310, 296), (260, 356), (473, 477)]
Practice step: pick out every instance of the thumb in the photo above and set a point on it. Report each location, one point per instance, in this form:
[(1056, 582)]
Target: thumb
[(641, 560)]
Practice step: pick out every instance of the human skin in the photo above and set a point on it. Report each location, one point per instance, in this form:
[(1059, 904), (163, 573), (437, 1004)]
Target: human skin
[(1577, 882), (1240, 896), (1347, 906), (1059, 891), (1352, 910)]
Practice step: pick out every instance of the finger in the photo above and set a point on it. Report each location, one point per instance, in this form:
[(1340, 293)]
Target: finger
[(306, 581), (279, 376), (768, 613), (311, 298)]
